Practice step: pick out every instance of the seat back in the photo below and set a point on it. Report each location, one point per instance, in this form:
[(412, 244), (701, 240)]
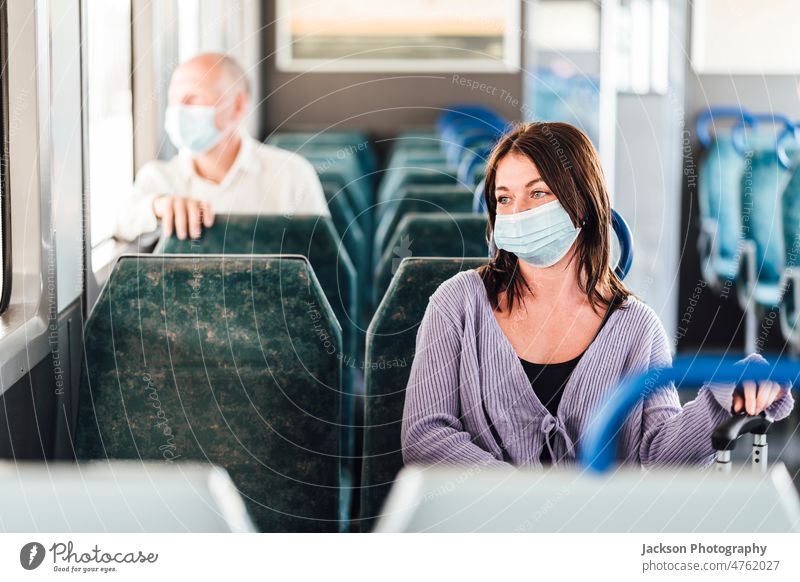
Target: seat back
[(765, 177), (430, 235), (391, 342), (311, 236), (347, 226), (229, 360), (396, 178), (762, 190), (347, 143), (431, 198), (356, 190), (791, 218), (719, 202)]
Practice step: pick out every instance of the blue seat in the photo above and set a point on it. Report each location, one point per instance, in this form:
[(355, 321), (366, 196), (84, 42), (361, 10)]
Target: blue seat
[(763, 182), (572, 99), (719, 196), (790, 286), (478, 115), (460, 141)]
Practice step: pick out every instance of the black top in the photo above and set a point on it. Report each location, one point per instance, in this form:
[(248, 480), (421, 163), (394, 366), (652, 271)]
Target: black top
[(548, 380)]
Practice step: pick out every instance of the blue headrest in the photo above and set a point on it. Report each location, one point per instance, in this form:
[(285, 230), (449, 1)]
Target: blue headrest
[(785, 131), (625, 238), (707, 117)]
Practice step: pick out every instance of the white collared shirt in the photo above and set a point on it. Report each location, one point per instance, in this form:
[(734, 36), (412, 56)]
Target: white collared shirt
[(262, 180)]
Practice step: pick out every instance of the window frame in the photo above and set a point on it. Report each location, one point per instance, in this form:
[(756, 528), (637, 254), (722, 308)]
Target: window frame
[(89, 186), (510, 63), (5, 203), (657, 82)]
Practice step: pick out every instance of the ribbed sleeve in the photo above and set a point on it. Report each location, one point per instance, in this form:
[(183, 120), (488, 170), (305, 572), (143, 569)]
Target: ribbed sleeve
[(723, 393), (431, 430)]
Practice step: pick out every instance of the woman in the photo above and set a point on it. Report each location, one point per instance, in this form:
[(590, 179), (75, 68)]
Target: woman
[(513, 358)]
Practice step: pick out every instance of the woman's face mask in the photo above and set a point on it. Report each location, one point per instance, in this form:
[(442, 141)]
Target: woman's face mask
[(192, 127), (541, 236)]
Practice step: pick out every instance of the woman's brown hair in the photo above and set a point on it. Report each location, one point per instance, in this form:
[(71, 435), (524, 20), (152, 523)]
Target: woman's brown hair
[(569, 165)]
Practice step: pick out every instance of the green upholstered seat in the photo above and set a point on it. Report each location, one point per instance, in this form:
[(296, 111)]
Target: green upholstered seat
[(314, 237), (396, 178), (356, 189), (344, 157), (416, 139), (430, 235), (355, 143), (391, 340), (220, 359), (311, 236), (350, 232), (430, 198), (417, 157)]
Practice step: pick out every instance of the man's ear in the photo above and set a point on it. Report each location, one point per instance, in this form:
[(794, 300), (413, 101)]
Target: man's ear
[(240, 106)]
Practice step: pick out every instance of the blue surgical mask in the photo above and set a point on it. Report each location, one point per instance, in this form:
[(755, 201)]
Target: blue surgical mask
[(192, 128), (540, 236)]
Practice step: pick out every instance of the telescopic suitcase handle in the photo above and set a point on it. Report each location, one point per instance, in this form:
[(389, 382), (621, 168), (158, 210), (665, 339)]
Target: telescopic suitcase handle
[(725, 436)]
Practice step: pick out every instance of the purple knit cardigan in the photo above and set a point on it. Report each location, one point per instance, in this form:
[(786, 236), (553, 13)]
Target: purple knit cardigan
[(466, 376)]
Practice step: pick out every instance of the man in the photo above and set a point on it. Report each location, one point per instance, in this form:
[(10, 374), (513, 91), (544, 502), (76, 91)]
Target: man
[(219, 168)]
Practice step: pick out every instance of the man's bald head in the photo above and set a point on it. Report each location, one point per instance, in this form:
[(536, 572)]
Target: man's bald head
[(208, 74), (212, 80)]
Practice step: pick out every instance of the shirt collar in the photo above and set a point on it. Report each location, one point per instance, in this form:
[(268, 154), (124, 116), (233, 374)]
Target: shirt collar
[(246, 160)]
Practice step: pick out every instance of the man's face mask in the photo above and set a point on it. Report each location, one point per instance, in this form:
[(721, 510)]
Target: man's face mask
[(192, 128), (540, 236)]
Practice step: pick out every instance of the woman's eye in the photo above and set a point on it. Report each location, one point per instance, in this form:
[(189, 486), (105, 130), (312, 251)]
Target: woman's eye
[(538, 194), (502, 199)]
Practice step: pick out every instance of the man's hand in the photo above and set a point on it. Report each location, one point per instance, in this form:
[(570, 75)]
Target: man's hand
[(185, 215), (755, 400)]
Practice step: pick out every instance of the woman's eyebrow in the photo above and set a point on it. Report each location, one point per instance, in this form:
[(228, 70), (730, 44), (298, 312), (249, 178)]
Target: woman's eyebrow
[(528, 185)]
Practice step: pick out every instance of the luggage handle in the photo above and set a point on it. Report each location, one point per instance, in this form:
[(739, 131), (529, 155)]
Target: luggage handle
[(726, 435)]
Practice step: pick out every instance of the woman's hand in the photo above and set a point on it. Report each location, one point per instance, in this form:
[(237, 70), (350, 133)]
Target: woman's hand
[(755, 400)]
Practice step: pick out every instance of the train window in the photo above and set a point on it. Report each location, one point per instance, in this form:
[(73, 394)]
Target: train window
[(210, 25), (184, 28), (110, 114), (643, 47), (769, 28), (580, 35), (413, 35), (5, 214)]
